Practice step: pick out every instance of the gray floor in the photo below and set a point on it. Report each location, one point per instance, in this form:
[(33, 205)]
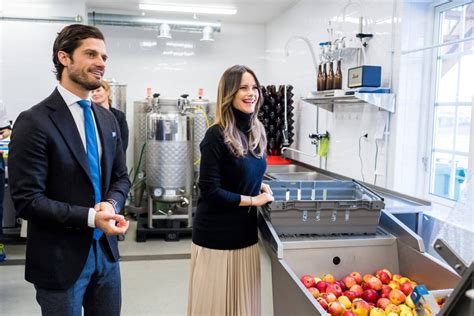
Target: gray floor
[(154, 278)]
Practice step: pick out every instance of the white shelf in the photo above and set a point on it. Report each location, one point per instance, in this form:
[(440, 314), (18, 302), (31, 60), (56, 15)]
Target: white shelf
[(385, 101)]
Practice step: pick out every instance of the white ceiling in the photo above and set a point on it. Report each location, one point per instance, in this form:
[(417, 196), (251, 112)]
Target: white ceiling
[(248, 11)]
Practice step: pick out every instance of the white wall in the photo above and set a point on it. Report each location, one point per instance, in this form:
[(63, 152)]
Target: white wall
[(347, 123)]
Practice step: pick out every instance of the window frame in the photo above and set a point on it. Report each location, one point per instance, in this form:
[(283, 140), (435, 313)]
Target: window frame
[(433, 90)]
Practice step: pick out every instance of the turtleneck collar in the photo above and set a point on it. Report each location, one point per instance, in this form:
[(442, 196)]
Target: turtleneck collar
[(242, 120)]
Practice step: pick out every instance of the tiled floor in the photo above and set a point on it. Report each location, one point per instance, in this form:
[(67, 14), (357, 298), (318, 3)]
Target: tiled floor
[(154, 279)]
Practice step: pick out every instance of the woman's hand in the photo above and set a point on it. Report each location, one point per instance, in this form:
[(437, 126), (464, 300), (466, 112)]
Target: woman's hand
[(265, 188), (262, 199)]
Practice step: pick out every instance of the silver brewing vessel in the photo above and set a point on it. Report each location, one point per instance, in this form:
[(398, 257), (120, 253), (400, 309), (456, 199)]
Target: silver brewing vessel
[(169, 150)]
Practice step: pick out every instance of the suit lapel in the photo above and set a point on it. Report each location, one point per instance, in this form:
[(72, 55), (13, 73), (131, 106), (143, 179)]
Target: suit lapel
[(66, 125)]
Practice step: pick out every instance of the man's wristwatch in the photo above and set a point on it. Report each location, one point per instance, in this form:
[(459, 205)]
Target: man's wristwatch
[(114, 204)]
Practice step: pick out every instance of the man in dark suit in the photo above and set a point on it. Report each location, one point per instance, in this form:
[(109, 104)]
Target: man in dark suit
[(68, 178)]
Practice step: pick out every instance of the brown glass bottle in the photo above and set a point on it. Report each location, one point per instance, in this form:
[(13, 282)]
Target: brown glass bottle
[(338, 76), (319, 78), (330, 79), (324, 78)]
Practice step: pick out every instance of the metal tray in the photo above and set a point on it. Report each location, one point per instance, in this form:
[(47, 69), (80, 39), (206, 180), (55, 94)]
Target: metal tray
[(323, 207)]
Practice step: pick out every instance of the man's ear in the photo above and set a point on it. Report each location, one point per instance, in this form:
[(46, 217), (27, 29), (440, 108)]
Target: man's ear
[(63, 58)]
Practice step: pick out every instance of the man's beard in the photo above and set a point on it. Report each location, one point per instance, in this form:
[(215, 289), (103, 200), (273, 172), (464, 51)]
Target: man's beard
[(81, 79)]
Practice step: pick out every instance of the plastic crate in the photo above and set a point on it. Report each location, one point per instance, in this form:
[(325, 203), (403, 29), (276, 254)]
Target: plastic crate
[(323, 207)]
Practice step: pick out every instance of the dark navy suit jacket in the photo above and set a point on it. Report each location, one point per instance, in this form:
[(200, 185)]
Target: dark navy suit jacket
[(51, 188)]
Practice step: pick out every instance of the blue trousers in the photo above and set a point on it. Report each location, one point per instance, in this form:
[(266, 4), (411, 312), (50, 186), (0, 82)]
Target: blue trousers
[(97, 289)]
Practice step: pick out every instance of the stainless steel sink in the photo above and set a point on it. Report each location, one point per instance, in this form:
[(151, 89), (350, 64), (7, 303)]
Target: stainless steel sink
[(298, 176), (286, 169)]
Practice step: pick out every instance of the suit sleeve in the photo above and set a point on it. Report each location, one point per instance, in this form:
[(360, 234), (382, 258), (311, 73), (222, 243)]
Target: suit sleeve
[(119, 181), (124, 131), (28, 171), (212, 151)]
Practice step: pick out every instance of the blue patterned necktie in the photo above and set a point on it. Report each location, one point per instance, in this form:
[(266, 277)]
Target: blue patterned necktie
[(92, 154)]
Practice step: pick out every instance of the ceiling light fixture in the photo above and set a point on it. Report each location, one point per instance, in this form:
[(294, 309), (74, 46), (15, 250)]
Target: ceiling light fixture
[(164, 31), (207, 34), (188, 9)]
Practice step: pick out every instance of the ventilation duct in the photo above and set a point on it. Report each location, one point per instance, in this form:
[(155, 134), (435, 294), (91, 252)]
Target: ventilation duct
[(153, 23)]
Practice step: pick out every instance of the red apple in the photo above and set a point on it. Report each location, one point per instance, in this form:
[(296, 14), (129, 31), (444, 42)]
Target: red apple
[(350, 295), (349, 281), (321, 286), (323, 303), (357, 277), (357, 289), (329, 278), (360, 307), (366, 277), (342, 285), (334, 289), (370, 296), (374, 284), (329, 297), (397, 297), (406, 288), (383, 276), (383, 302), (314, 291), (349, 313), (307, 280), (385, 291), (336, 308)]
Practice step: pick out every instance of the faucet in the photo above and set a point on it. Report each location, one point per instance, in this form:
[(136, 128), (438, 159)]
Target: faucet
[(315, 138), (306, 40)]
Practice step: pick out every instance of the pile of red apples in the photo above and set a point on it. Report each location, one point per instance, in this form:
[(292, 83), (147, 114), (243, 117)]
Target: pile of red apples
[(381, 294)]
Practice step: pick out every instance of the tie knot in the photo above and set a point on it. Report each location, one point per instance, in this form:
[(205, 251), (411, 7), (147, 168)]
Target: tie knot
[(84, 103)]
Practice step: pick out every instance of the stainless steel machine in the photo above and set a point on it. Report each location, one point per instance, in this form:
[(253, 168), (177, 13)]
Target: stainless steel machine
[(295, 251), (169, 169)]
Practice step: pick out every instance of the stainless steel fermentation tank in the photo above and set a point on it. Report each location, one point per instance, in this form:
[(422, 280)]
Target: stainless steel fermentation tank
[(118, 94), (169, 153)]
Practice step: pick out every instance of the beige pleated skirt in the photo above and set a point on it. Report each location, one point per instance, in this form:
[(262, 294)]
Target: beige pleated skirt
[(224, 282)]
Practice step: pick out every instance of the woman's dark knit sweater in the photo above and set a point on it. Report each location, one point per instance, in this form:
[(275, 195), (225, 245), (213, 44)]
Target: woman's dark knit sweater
[(219, 221)]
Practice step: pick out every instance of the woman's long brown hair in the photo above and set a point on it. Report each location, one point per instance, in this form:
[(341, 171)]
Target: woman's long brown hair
[(237, 141)]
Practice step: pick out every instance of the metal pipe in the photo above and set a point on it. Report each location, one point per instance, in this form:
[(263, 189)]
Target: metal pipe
[(311, 50), (56, 19), (139, 21), (284, 149)]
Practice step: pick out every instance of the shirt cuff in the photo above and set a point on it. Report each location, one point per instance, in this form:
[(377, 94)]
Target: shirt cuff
[(91, 218)]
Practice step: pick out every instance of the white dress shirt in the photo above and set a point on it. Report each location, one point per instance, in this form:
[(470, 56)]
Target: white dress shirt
[(78, 114)]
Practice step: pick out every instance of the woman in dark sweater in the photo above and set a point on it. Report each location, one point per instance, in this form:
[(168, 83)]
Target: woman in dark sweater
[(225, 261)]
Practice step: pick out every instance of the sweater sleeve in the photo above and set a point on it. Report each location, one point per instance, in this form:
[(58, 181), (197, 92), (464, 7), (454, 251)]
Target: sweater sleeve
[(212, 151)]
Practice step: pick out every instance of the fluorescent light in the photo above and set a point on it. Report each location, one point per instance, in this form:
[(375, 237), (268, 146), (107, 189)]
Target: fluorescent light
[(187, 9)]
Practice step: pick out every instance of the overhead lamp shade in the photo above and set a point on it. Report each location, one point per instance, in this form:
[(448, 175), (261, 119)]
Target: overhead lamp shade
[(164, 31), (207, 34)]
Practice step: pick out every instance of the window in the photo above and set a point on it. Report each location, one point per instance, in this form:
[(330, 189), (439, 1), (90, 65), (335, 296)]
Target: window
[(453, 100)]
